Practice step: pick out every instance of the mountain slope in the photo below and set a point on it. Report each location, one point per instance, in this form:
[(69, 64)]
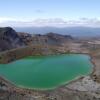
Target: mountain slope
[(9, 39)]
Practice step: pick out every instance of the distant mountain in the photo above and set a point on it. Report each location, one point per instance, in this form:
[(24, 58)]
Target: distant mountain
[(74, 31)]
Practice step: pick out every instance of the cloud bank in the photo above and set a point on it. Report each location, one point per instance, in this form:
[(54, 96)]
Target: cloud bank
[(53, 22)]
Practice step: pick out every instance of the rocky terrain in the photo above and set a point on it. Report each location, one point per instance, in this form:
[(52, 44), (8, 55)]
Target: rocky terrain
[(85, 88), (10, 39)]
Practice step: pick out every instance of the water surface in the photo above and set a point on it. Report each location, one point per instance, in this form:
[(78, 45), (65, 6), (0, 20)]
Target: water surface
[(46, 72)]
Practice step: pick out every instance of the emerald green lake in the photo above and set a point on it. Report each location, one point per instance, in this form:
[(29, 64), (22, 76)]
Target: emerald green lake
[(47, 72)]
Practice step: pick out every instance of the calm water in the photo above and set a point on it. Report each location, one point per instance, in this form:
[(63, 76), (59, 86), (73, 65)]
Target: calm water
[(46, 72)]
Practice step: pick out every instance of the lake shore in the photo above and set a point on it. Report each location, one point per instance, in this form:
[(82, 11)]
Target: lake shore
[(39, 90), (61, 91)]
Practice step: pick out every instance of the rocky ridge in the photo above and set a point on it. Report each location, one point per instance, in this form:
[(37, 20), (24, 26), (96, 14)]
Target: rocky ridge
[(10, 39)]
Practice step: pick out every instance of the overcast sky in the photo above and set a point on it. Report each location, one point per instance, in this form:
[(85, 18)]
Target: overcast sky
[(58, 13)]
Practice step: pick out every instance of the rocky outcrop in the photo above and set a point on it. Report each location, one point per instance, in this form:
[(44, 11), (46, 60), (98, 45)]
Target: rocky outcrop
[(9, 39), (57, 39), (25, 37), (52, 39)]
